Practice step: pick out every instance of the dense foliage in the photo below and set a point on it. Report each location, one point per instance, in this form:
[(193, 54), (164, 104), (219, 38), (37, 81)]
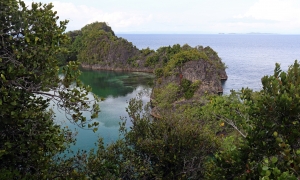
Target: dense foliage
[(174, 147), (96, 43), (244, 135), (165, 59), (30, 40), (268, 122)]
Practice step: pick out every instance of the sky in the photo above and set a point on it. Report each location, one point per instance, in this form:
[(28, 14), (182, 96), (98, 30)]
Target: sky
[(182, 16)]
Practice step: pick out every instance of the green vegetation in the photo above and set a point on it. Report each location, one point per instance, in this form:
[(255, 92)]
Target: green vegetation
[(96, 43), (152, 60), (169, 58), (147, 51), (30, 141), (166, 96), (172, 147), (245, 135), (189, 88), (182, 57), (268, 124)]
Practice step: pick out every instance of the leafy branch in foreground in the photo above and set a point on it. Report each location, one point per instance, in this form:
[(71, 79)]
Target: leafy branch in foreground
[(270, 119), (30, 39)]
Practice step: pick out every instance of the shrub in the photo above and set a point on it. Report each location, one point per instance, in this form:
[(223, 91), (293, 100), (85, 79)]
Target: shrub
[(158, 72)]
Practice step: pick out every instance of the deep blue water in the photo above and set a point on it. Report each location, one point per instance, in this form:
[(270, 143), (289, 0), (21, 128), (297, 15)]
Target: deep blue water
[(249, 57)]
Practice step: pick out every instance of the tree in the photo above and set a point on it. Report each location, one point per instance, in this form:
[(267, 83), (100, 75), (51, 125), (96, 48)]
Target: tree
[(269, 148), (172, 147), (30, 39)]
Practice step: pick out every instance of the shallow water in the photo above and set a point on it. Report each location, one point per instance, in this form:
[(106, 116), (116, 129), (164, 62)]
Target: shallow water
[(117, 88)]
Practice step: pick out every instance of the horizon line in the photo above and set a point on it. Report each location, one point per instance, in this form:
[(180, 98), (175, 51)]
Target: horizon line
[(187, 33)]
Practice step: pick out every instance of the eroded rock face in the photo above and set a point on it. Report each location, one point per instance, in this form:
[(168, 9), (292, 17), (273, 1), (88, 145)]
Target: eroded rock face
[(206, 73), (209, 78), (201, 70)]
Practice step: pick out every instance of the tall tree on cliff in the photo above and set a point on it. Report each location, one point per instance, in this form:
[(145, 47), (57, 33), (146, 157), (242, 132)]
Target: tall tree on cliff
[(30, 39)]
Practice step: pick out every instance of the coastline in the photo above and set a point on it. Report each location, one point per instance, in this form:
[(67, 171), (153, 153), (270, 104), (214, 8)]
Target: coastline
[(109, 68)]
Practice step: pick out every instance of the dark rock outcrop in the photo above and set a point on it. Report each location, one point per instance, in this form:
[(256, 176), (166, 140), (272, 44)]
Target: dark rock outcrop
[(203, 71)]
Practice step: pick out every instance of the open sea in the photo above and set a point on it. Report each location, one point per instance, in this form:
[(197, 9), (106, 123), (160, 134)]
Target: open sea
[(249, 57)]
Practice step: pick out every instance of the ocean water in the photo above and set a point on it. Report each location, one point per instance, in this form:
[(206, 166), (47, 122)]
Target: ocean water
[(248, 57)]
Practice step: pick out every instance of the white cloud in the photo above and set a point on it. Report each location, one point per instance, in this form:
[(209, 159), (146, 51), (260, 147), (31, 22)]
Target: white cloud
[(121, 19), (269, 16), (205, 16), (80, 15), (276, 10)]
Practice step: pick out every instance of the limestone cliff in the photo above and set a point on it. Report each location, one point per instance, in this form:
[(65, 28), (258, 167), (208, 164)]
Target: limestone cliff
[(188, 80)]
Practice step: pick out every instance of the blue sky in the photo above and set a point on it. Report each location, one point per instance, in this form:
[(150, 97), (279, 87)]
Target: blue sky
[(184, 16)]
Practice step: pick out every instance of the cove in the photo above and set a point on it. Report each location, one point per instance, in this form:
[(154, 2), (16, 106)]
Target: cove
[(117, 88)]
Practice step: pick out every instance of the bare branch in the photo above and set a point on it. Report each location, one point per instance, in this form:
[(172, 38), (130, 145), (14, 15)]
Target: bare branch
[(231, 123)]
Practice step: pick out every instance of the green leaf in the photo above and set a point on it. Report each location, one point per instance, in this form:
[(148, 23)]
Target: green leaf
[(27, 39), (266, 160), (9, 69), (3, 77), (265, 168), (268, 173), (14, 103), (274, 159)]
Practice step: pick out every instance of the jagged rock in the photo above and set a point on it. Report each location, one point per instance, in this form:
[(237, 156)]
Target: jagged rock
[(201, 70)]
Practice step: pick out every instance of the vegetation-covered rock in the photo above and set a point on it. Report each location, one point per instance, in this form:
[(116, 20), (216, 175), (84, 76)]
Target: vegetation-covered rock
[(97, 47), (193, 71)]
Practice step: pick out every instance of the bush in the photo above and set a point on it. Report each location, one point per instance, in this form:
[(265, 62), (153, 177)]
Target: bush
[(188, 88), (268, 122), (159, 72), (166, 96), (152, 60), (147, 51)]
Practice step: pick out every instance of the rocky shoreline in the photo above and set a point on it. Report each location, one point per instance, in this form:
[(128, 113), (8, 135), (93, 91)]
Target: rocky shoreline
[(109, 68)]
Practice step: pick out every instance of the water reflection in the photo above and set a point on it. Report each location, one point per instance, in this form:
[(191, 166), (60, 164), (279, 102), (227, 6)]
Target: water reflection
[(114, 83), (117, 88)]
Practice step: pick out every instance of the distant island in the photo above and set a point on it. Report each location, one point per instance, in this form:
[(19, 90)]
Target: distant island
[(248, 33)]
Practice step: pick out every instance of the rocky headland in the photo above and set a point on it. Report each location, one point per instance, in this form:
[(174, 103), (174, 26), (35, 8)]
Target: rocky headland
[(186, 72)]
